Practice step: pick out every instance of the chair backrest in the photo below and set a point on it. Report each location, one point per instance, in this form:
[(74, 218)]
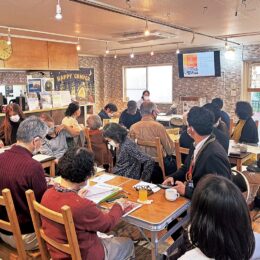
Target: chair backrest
[(178, 152), (159, 150), (173, 131), (106, 122), (257, 123), (240, 180), (64, 218), (13, 225), (88, 145)]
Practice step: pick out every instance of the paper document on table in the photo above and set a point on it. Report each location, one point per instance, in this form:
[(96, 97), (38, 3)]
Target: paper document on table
[(132, 207), (101, 192), (99, 169), (153, 187), (103, 178), (42, 157), (5, 148)]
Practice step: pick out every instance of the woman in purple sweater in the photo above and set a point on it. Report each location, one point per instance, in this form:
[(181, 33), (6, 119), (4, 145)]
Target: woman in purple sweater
[(75, 167)]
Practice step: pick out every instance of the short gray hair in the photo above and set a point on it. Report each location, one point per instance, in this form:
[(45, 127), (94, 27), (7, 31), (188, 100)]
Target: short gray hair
[(94, 122), (30, 128), (147, 108)]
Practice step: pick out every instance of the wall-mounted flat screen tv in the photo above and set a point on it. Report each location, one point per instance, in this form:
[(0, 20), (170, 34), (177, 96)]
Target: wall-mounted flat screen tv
[(199, 64)]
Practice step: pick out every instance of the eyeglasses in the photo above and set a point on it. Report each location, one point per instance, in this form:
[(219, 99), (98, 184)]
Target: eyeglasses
[(36, 138)]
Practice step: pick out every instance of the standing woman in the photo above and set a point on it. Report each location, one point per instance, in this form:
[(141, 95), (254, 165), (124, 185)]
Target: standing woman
[(145, 97), (8, 129), (131, 162), (245, 130)]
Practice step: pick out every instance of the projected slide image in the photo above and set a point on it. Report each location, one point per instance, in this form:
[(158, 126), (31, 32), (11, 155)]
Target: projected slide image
[(198, 64)]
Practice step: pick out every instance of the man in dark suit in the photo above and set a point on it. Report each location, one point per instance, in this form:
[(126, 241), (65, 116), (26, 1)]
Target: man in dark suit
[(207, 157)]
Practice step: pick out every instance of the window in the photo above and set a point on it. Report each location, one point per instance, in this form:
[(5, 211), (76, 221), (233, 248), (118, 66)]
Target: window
[(156, 79)]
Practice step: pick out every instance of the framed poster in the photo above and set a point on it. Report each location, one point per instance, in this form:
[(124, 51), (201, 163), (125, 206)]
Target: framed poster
[(34, 85)]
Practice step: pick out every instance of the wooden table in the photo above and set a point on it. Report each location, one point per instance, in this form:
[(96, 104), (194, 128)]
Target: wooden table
[(156, 216), (49, 164), (239, 159)]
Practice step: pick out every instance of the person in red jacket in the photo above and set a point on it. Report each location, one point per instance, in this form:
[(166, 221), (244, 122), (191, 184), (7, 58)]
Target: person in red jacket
[(75, 167)]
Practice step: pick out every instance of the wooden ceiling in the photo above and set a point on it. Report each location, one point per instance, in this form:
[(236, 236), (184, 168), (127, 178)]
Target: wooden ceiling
[(237, 20)]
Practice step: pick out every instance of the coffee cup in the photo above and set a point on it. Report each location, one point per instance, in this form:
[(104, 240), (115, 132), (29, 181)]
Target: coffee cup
[(171, 194)]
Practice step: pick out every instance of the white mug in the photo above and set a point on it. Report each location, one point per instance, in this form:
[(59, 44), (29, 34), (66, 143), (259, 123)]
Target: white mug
[(171, 194)]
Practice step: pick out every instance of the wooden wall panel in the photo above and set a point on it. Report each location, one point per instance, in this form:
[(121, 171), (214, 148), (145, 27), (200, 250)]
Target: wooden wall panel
[(62, 56), (28, 54)]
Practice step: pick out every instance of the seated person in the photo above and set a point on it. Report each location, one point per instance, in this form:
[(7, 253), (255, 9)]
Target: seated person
[(245, 130), (173, 110), (145, 97), (131, 162), (20, 172), (219, 216), (147, 129), (208, 156), (72, 126), (8, 129), (218, 103), (130, 115), (55, 141), (98, 143), (108, 111), (88, 218)]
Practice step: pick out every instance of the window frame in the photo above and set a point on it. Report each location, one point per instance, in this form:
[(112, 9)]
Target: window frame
[(249, 88), (146, 67)]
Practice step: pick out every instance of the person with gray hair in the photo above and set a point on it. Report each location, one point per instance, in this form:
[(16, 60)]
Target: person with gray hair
[(20, 172), (131, 115), (148, 129), (99, 147)]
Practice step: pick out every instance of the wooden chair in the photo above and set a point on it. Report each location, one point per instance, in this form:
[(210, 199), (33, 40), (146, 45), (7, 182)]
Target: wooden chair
[(159, 149), (106, 122), (173, 131), (178, 152), (6, 251), (88, 142), (64, 218), (257, 123)]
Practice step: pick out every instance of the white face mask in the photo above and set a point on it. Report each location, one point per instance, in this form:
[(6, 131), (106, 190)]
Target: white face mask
[(146, 98), (15, 118), (112, 143)]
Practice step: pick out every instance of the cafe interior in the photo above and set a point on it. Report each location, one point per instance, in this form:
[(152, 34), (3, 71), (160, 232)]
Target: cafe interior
[(129, 129)]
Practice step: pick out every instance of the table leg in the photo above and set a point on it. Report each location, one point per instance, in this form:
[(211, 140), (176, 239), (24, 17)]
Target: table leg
[(154, 241), (239, 165), (52, 169)]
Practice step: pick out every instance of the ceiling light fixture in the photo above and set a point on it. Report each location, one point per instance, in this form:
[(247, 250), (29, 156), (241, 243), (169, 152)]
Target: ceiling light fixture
[(152, 52), (115, 56), (230, 53), (9, 40), (78, 46), (107, 50), (177, 50), (226, 44), (193, 38), (58, 15), (146, 30), (132, 55)]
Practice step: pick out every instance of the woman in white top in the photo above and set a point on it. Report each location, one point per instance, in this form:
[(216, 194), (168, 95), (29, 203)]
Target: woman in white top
[(72, 125), (145, 97), (220, 225)]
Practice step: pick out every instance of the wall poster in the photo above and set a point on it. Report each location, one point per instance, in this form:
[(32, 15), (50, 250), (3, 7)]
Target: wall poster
[(80, 84)]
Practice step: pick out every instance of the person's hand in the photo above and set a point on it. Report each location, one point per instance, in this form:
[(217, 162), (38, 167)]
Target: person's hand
[(180, 187), (83, 192), (1, 144), (169, 181), (58, 128), (125, 204)]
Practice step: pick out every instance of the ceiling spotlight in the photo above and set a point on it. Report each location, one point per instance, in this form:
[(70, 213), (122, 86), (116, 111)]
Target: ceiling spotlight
[(146, 30), (115, 56), (152, 52), (177, 50), (230, 53), (132, 55), (9, 40), (107, 50), (193, 38), (78, 46), (58, 15)]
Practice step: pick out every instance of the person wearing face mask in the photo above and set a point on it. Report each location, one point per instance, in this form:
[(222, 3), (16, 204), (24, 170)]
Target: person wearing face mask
[(145, 97), (55, 141), (108, 111), (8, 129), (148, 129), (131, 162), (20, 172)]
